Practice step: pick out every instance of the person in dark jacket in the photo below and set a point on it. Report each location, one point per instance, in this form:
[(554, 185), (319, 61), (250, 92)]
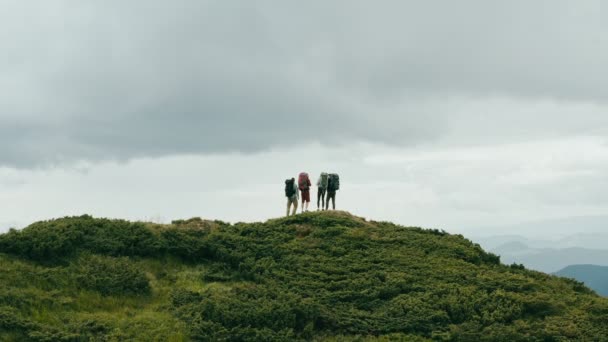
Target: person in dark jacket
[(331, 195), (320, 195)]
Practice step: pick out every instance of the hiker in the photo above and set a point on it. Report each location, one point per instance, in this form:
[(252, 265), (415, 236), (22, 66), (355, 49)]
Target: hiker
[(321, 190), (333, 185), (304, 185), (291, 192)]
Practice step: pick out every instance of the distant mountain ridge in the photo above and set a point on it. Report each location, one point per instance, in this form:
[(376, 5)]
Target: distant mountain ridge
[(323, 276), (581, 245), (594, 276), (550, 260), (550, 229), (597, 240)]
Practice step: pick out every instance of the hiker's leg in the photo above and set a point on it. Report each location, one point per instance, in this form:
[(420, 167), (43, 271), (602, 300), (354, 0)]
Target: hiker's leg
[(305, 199), (288, 206), (327, 201), (295, 207), (323, 198), (319, 194), (332, 197)]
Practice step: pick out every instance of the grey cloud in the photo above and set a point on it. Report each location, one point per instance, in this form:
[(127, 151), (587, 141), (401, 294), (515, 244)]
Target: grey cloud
[(116, 80), (522, 48)]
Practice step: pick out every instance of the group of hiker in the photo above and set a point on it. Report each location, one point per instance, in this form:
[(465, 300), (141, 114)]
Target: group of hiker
[(327, 185)]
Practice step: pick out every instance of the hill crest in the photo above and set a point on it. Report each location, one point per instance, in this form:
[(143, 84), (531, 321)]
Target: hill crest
[(318, 275)]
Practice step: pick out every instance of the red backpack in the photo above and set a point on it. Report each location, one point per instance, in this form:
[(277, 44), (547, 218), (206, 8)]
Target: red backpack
[(303, 181)]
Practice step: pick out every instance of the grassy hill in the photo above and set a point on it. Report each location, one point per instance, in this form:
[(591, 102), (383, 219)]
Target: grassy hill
[(315, 276), (596, 277)]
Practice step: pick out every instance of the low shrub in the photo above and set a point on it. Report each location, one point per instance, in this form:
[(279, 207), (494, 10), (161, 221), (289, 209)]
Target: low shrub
[(110, 276)]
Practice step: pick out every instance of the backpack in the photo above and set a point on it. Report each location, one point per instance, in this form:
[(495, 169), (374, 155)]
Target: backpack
[(334, 182), (324, 180), (289, 190), (303, 181)]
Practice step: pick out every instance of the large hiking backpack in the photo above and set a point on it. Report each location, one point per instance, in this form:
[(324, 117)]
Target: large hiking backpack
[(324, 180), (289, 189), (334, 182), (303, 181)]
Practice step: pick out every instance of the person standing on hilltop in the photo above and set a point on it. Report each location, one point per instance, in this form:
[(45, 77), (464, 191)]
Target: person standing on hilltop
[(304, 185), (333, 185), (321, 190), (291, 192)]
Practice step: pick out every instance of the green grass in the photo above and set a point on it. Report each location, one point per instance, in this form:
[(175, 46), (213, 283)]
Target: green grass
[(29, 288), (317, 276)]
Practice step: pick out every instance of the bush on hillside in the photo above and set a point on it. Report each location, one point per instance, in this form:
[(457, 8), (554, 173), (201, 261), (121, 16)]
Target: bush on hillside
[(264, 310), (110, 276), (186, 243), (54, 240)]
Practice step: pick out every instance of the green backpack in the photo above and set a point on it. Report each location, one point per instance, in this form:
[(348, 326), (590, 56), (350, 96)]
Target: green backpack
[(334, 182), (324, 180)]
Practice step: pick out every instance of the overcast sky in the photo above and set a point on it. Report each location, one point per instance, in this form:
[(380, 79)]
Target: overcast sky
[(441, 114)]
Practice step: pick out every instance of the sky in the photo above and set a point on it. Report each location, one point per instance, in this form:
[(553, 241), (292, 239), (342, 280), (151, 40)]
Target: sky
[(458, 116)]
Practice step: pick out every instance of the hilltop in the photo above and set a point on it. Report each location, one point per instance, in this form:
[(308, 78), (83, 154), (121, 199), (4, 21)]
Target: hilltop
[(314, 276)]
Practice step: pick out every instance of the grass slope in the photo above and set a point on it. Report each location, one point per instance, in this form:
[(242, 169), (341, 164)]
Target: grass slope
[(316, 276)]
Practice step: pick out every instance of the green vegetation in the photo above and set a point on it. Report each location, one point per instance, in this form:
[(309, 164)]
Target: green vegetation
[(316, 276)]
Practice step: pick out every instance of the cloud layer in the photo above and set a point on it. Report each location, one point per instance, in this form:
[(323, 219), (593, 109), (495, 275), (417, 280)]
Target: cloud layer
[(116, 80)]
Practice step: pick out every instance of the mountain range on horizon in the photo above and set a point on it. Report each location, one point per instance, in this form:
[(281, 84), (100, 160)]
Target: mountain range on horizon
[(584, 229), (547, 256), (594, 276), (549, 245)]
